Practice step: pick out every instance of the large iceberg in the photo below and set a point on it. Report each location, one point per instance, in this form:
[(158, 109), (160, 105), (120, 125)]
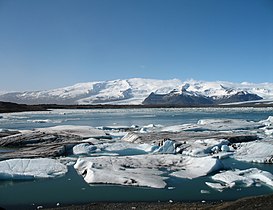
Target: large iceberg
[(143, 170), (27, 169)]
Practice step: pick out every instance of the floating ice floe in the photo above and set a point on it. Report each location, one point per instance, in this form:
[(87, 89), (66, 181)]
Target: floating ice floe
[(28, 169), (84, 148), (143, 170), (183, 127), (268, 129), (196, 167), (82, 131), (257, 152), (241, 178), (228, 124), (215, 125), (115, 127), (200, 148), (268, 121), (114, 148)]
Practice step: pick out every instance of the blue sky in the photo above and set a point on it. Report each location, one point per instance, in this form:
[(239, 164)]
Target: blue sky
[(46, 44)]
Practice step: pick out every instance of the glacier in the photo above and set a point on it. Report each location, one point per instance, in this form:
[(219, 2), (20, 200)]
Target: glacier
[(135, 90)]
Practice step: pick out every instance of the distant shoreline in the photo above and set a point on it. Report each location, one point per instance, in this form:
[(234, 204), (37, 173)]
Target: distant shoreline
[(8, 107)]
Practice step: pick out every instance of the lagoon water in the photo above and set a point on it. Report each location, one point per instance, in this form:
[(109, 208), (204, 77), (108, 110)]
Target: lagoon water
[(73, 189)]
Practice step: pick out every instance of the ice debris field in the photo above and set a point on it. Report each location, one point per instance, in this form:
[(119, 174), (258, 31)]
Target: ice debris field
[(143, 156)]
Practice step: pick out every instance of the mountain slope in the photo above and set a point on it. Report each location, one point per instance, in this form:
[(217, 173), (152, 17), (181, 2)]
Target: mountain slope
[(131, 91), (136, 90)]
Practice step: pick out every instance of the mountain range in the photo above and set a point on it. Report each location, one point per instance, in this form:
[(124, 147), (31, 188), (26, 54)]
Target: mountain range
[(146, 91)]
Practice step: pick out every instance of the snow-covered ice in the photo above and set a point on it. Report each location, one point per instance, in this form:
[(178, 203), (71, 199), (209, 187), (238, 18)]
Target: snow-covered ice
[(27, 169), (114, 148), (206, 147), (228, 124), (257, 152), (143, 170), (241, 178), (196, 167)]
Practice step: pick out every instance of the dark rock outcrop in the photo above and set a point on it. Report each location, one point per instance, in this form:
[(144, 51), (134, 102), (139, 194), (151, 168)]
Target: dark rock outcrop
[(237, 97), (193, 99)]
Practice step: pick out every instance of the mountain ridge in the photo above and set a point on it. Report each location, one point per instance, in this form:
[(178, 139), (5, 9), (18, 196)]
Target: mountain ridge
[(135, 91)]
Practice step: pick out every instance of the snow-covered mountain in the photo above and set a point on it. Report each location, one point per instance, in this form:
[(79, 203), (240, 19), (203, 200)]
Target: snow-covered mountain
[(135, 91)]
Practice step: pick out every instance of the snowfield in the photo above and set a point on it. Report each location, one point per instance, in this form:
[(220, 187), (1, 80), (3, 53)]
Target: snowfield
[(134, 91)]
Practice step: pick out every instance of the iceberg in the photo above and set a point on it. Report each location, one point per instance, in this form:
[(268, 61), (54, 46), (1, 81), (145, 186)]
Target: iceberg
[(228, 124), (115, 148), (143, 170), (206, 147), (168, 147), (84, 148), (245, 178), (257, 152), (28, 169), (196, 167)]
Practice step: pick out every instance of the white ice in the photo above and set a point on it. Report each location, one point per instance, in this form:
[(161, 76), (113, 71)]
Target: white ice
[(241, 178), (143, 170), (228, 124), (196, 167), (22, 169), (256, 151), (200, 148)]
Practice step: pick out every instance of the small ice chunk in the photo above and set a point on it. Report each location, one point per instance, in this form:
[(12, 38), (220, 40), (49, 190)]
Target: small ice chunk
[(225, 148), (205, 192), (218, 186), (84, 148), (168, 147)]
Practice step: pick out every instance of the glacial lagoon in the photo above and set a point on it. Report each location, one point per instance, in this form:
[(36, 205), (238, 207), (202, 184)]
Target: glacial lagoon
[(73, 189)]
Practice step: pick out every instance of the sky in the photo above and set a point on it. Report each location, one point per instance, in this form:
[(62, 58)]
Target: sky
[(47, 44)]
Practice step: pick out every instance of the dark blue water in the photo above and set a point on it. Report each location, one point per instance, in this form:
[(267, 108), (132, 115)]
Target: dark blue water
[(129, 116)]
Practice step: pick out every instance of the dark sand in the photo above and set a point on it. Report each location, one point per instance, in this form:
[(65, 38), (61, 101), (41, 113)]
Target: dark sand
[(250, 203)]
